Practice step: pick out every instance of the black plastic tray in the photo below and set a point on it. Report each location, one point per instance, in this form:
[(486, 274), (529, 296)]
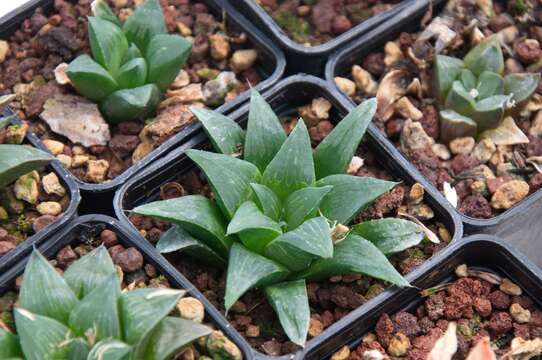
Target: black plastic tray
[(311, 60), (69, 236), (271, 67), (483, 252), (513, 224), (72, 190), (285, 96)]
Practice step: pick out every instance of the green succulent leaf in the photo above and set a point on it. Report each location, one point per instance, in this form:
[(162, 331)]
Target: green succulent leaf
[(297, 248), (89, 272), (131, 104), (350, 194), (303, 204), (446, 70), (170, 336), (390, 235), (132, 74), (254, 228), (521, 86), (132, 53), (107, 43), (468, 79), (247, 270), (196, 214), (292, 168), (177, 239), (100, 9), (490, 111), (460, 100), (225, 134), (454, 125), (110, 350), (489, 84), (142, 309), (146, 22), (98, 311), (267, 201), (78, 349), (90, 79), (40, 336), (229, 178), (44, 291), (291, 303), (17, 160), (6, 120), (354, 254), (9, 345), (265, 134), (486, 56), (165, 55), (335, 152)]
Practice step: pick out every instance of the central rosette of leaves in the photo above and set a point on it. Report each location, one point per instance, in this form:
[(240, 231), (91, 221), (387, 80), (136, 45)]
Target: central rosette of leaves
[(275, 215), (473, 94), (133, 63)]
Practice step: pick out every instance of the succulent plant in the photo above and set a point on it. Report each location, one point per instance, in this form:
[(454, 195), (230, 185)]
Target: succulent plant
[(131, 65), (279, 215), (473, 94), (85, 315)]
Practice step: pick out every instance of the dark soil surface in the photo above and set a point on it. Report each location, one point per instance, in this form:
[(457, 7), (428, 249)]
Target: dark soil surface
[(47, 39), (489, 178), (479, 308), (329, 300), (314, 22)]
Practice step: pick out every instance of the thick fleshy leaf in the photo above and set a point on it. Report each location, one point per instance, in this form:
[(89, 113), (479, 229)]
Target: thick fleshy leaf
[(225, 134), (90, 79), (454, 125), (101, 9), (9, 345), (247, 270), (486, 56), (17, 160), (142, 309), (229, 178), (44, 291), (6, 120), (390, 235), (297, 248), (350, 194), (196, 214), (291, 303), (107, 43), (489, 84), (98, 312), (521, 86), (468, 79), (132, 74), (446, 70), (354, 254), (460, 99), (265, 134), (170, 336), (178, 239), (131, 104), (165, 55), (146, 22), (110, 350), (132, 53), (90, 271), (78, 349), (267, 201), (335, 152), (303, 203), (39, 335), (254, 228), (292, 168), (490, 111)]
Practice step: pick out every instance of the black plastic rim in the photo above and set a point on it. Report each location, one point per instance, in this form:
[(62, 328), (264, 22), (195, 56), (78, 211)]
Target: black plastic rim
[(273, 56), (312, 59), (144, 186), (501, 225), (69, 236), (67, 180)]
